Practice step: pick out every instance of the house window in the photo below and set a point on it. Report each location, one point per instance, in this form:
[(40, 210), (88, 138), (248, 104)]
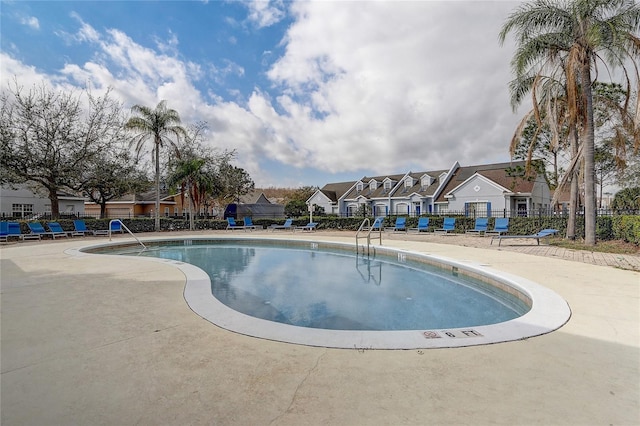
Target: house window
[(408, 183), (402, 208), (425, 182), (387, 185), (373, 185), (175, 211), (166, 211), (359, 186), (476, 209), (22, 210)]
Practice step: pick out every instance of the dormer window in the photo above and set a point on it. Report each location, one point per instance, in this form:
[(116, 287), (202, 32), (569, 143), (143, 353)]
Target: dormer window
[(408, 183), (425, 182), (442, 177), (387, 185), (359, 187), (373, 185)]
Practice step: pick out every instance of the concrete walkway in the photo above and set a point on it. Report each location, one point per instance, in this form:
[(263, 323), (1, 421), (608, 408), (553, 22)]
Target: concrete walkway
[(98, 340)]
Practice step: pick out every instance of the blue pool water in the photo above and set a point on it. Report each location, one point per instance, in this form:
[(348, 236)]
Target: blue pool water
[(338, 290)]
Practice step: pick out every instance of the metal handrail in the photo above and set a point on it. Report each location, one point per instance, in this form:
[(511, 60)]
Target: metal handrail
[(128, 230), (367, 222)]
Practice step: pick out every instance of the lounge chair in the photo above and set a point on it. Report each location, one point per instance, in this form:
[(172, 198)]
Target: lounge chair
[(288, 224), (480, 226), (116, 226), (500, 227), (37, 231), (4, 232), (541, 234), (80, 229), (232, 225), (423, 225), (448, 226), (311, 226), (378, 224), (248, 223), (56, 230), (399, 226), (8, 230)]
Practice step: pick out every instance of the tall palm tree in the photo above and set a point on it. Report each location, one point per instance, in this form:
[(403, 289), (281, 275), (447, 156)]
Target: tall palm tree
[(551, 110), (576, 35), (158, 125)]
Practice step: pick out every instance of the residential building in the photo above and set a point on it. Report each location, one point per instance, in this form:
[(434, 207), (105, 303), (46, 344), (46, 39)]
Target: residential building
[(135, 205), (22, 201), (488, 190), (502, 189)]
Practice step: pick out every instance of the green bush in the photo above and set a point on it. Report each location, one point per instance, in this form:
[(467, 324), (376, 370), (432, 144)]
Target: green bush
[(626, 228)]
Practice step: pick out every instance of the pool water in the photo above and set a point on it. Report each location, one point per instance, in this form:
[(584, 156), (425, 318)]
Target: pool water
[(339, 290)]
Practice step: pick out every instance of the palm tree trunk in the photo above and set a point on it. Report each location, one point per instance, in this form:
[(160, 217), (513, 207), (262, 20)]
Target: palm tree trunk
[(589, 164), (573, 194), (157, 212)]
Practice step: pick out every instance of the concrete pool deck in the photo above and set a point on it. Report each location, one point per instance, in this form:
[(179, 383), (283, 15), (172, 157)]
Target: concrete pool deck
[(94, 340)]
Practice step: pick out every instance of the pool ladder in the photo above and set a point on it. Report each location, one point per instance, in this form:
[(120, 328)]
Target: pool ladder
[(128, 230), (365, 226)]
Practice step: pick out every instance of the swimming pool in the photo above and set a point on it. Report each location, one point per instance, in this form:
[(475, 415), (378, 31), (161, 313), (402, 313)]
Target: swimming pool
[(323, 294)]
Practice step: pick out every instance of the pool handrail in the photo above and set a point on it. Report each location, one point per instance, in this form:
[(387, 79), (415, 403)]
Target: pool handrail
[(369, 229), (127, 229)]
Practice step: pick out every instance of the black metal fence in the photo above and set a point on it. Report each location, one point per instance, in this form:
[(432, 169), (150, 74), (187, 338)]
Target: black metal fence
[(456, 213), (507, 213)]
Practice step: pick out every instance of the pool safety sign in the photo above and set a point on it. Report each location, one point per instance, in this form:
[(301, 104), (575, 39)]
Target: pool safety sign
[(451, 333)]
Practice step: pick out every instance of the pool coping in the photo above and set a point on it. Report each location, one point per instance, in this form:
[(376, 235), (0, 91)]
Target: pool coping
[(548, 312)]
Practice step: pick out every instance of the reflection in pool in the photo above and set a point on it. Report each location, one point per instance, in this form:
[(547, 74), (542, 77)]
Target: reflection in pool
[(340, 291)]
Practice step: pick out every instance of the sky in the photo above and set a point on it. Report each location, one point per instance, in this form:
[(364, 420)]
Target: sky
[(307, 93)]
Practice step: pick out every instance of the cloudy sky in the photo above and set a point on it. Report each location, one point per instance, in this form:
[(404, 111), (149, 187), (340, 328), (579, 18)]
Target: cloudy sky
[(306, 92)]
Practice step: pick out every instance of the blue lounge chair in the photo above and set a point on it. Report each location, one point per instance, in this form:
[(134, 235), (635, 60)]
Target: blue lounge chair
[(248, 223), (56, 230), (448, 226), (480, 226), (116, 226), (309, 227), (80, 229), (8, 230), (423, 225), (4, 230), (541, 234), (232, 225), (37, 231), (399, 226), (14, 230), (500, 227), (378, 224), (288, 225)]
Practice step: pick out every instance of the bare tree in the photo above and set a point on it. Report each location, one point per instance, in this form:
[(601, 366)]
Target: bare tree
[(48, 135)]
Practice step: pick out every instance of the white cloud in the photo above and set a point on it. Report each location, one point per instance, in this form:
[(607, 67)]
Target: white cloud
[(399, 81), (31, 22), (265, 13)]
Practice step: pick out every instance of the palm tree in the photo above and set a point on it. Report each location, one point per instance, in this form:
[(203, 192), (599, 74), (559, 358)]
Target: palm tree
[(158, 124), (193, 180), (576, 35)]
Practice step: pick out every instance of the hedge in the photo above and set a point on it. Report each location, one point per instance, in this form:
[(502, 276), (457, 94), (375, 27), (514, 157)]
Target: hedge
[(626, 228)]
